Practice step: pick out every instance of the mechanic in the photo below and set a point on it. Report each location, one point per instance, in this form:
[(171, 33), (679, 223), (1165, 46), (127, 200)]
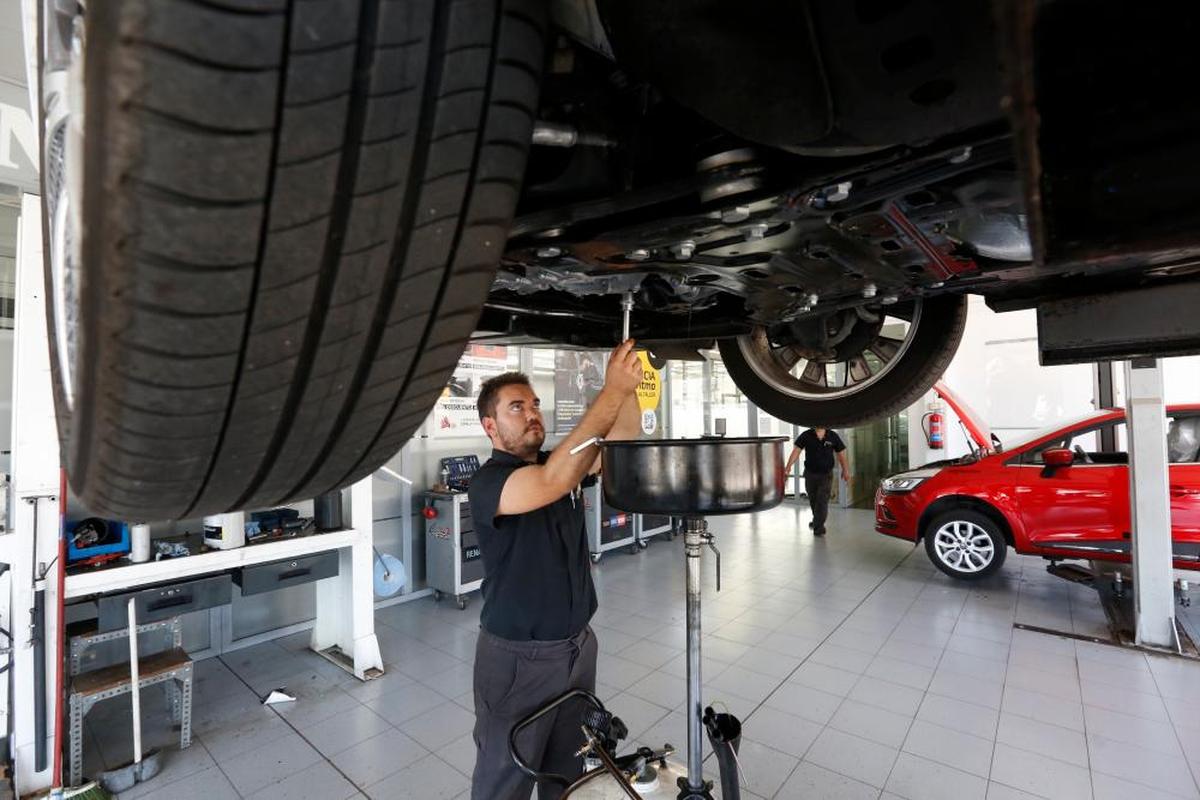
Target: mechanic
[(535, 642), (820, 446)]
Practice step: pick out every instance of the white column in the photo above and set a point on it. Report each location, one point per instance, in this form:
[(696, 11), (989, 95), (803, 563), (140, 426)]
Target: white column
[(346, 602), (36, 484), (1149, 506)]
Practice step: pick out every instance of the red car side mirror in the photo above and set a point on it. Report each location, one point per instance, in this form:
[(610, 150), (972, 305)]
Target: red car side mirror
[(1056, 458)]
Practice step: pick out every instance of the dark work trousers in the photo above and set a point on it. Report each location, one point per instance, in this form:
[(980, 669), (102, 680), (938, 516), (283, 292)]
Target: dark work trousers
[(513, 679), (818, 485)]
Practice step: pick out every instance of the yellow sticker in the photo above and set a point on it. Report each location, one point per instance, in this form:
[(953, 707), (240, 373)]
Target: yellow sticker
[(649, 391)]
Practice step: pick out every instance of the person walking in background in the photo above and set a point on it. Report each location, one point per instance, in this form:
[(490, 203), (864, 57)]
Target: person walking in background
[(820, 447)]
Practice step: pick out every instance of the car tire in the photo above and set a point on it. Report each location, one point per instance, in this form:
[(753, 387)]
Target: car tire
[(291, 213), (975, 527), (926, 358)]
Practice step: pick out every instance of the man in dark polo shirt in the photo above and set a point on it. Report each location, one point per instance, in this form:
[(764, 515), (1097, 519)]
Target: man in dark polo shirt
[(535, 642), (820, 447)]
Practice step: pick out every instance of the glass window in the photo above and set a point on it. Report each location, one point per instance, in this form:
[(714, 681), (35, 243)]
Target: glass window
[(687, 399), (541, 375), (728, 404), (8, 263), (1086, 446), (1183, 439)]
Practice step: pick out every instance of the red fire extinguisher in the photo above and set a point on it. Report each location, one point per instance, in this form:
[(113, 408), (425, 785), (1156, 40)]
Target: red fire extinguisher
[(933, 433)]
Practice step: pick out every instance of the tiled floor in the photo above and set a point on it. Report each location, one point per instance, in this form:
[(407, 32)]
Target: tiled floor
[(857, 669)]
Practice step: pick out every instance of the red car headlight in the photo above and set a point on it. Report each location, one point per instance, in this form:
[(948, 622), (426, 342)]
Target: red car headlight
[(900, 484)]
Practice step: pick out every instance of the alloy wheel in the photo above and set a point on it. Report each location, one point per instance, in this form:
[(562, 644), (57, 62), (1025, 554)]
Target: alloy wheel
[(964, 546)]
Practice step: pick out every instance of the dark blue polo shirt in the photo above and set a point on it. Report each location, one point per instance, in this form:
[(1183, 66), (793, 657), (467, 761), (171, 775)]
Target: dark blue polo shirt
[(537, 581), (818, 453)]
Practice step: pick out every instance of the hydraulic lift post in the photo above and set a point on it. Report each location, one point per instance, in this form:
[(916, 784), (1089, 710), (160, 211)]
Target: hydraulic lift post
[(1149, 505)]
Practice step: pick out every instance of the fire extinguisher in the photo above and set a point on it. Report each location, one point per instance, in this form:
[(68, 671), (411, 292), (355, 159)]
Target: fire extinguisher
[(934, 436)]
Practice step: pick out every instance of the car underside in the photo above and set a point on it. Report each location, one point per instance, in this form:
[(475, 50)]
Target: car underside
[(803, 186)]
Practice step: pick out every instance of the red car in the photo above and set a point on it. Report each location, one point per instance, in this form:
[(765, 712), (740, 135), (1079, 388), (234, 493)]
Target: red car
[(1063, 493)]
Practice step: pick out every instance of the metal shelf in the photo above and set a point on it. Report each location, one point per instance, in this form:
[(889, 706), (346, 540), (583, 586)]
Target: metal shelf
[(112, 579)]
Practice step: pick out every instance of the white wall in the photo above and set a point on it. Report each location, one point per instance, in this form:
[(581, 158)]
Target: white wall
[(996, 372), (1181, 379)]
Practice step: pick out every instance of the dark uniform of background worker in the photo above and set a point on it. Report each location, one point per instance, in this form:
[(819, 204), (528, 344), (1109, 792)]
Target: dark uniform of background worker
[(819, 446), (535, 642)]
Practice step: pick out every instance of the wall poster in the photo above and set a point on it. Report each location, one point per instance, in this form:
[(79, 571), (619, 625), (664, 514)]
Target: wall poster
[(578, 378), (455, 413)]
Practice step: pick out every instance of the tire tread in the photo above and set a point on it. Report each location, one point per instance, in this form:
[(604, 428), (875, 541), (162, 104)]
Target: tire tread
[(344, 275)]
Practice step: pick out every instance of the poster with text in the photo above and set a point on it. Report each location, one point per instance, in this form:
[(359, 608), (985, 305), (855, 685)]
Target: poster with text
[(578, 378), (456, 413)]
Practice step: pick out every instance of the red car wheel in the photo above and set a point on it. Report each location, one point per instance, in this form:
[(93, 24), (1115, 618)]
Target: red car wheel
[(965, 544)]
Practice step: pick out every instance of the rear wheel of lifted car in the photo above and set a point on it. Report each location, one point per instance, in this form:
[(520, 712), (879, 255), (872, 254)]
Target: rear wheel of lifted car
[(877, 363), (965, 543), (271, 227)]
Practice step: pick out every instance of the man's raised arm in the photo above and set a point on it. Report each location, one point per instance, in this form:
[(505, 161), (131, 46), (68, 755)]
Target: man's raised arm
[(540, 485)]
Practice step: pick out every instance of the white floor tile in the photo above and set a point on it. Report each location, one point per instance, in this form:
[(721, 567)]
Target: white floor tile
[(967, 688), (784, 732), (891, 696), (378, 757), (1157, 736), (810, 781), (1039, 775), (901, 672), (260, 767), (916, 778), (959, 716), (827, 679), (871, 722), (428, 779), (1044, 708), (952, 748), (318, 782), (764, 769), (439, 726), (1157, 770), (1125, 701), (849, 755), (811, 704), (1063, 744)]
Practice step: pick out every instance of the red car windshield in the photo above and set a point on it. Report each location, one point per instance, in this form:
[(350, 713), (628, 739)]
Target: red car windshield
[(1055, 428)]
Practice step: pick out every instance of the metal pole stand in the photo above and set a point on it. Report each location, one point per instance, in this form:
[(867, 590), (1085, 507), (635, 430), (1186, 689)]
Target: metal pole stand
[(695, 537)]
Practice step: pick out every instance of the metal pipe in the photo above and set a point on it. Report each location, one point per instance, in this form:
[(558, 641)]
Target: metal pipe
[(558, 134), (537, 312), (39, 678), (626, 311), (692, 542)]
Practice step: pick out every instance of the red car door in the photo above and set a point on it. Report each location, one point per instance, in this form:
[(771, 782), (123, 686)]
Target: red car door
[(1083, 508)]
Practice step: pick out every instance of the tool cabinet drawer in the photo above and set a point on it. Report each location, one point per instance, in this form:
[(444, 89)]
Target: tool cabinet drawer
[(288, 572), (164, 601)]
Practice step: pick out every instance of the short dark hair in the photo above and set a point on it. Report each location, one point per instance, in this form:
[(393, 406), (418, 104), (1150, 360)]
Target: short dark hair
[(488, 393)]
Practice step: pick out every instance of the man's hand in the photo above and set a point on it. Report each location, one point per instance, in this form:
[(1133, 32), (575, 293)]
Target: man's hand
[(846, 475), (538, 485), (624, 369)]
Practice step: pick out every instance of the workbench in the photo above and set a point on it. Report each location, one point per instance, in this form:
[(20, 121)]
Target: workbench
[(344, 626)]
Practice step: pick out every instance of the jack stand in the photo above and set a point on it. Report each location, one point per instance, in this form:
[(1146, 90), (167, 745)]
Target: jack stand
[(694, 787), (686, 793)]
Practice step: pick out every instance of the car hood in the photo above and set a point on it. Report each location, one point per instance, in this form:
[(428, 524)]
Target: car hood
[(978, 430), (927, 471)]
